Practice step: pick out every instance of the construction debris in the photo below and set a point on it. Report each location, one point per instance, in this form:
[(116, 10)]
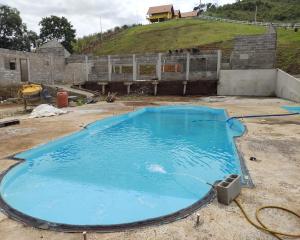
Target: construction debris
[(46, 110), (9, 123)]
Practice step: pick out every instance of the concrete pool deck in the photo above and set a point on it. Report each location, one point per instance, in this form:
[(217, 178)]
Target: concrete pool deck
[(276, 173)]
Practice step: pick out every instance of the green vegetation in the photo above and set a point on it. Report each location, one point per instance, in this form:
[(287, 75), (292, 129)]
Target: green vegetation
[(13, 32), (267, 10), (189, 33), (58, 28)]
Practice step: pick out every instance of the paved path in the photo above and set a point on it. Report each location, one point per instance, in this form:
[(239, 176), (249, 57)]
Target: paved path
[(71, 90)]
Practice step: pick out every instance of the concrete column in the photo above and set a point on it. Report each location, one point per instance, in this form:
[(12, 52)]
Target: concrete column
[(219, 63), (158, 67), (103, 86), (109, 68), (128, 84), (28, 66), (86, 69), (188, 58), (134, 68), (74, 78), (51, 70), (155, 83), (184, 87)]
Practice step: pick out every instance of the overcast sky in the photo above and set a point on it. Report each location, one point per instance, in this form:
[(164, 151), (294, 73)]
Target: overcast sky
[(85, 15)]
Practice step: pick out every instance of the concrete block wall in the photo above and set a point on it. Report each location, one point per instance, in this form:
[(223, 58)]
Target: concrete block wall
[(255, 52), (38, 65), (201, 66)]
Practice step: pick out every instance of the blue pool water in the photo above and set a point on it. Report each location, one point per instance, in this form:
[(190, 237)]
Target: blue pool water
[(292, 109), (128, 168)]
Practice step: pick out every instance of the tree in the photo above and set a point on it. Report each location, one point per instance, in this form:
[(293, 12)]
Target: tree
[(13, 32), (58, 28)]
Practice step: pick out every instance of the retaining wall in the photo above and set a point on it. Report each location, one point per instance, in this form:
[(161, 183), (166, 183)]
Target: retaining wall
[(255, 82), (260, 83), (287, 86), (255, 52)]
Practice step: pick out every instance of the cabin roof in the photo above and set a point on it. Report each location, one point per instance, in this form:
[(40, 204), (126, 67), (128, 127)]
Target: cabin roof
[(161, 9)]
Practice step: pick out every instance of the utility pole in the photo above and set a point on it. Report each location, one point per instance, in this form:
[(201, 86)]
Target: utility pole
[(255, 18), (101, 28)]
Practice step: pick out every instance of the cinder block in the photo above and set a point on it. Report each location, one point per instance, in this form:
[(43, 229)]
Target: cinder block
[(229, 189)]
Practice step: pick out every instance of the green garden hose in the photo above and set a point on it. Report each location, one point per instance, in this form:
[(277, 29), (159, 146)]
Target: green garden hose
[(263, 227)]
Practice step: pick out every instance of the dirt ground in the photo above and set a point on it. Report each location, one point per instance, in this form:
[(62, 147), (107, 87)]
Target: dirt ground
[(275, 142)]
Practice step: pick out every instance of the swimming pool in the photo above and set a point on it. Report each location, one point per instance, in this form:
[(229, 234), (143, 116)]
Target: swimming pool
[(292, 109), (148, 164)]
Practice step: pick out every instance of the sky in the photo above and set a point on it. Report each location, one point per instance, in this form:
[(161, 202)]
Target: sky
[(85, 15)]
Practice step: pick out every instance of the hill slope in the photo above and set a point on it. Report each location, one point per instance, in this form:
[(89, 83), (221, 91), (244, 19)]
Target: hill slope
[(268, 10), (189, 33)]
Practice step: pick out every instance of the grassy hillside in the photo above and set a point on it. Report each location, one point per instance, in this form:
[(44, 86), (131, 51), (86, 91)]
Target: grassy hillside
[(268, 10), (189, 33)]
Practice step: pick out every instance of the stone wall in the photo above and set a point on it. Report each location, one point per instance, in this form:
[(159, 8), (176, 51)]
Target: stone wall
[(255, 52)]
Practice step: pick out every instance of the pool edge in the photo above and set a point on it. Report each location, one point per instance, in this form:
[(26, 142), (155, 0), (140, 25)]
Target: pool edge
[(68, 228), (166, 219)]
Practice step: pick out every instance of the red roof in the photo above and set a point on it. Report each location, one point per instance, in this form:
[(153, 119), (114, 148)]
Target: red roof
[(161, 9)]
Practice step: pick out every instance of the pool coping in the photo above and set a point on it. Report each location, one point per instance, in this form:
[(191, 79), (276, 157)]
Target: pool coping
[(166, 219)]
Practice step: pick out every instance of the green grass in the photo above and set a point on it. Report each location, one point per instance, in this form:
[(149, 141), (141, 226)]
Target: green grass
[(173, 34), (268, 10), (189, 33)]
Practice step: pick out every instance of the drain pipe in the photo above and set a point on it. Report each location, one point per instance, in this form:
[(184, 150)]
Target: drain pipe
[(263, 116)]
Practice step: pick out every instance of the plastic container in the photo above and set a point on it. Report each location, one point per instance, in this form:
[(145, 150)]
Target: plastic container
[(62, 99)]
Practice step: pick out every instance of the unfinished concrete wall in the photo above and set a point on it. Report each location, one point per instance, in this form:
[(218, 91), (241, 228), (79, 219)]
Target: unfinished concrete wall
[(288, 87), (162, 67), (256, 82), (255, 52), (38, 67), (57, 54)]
